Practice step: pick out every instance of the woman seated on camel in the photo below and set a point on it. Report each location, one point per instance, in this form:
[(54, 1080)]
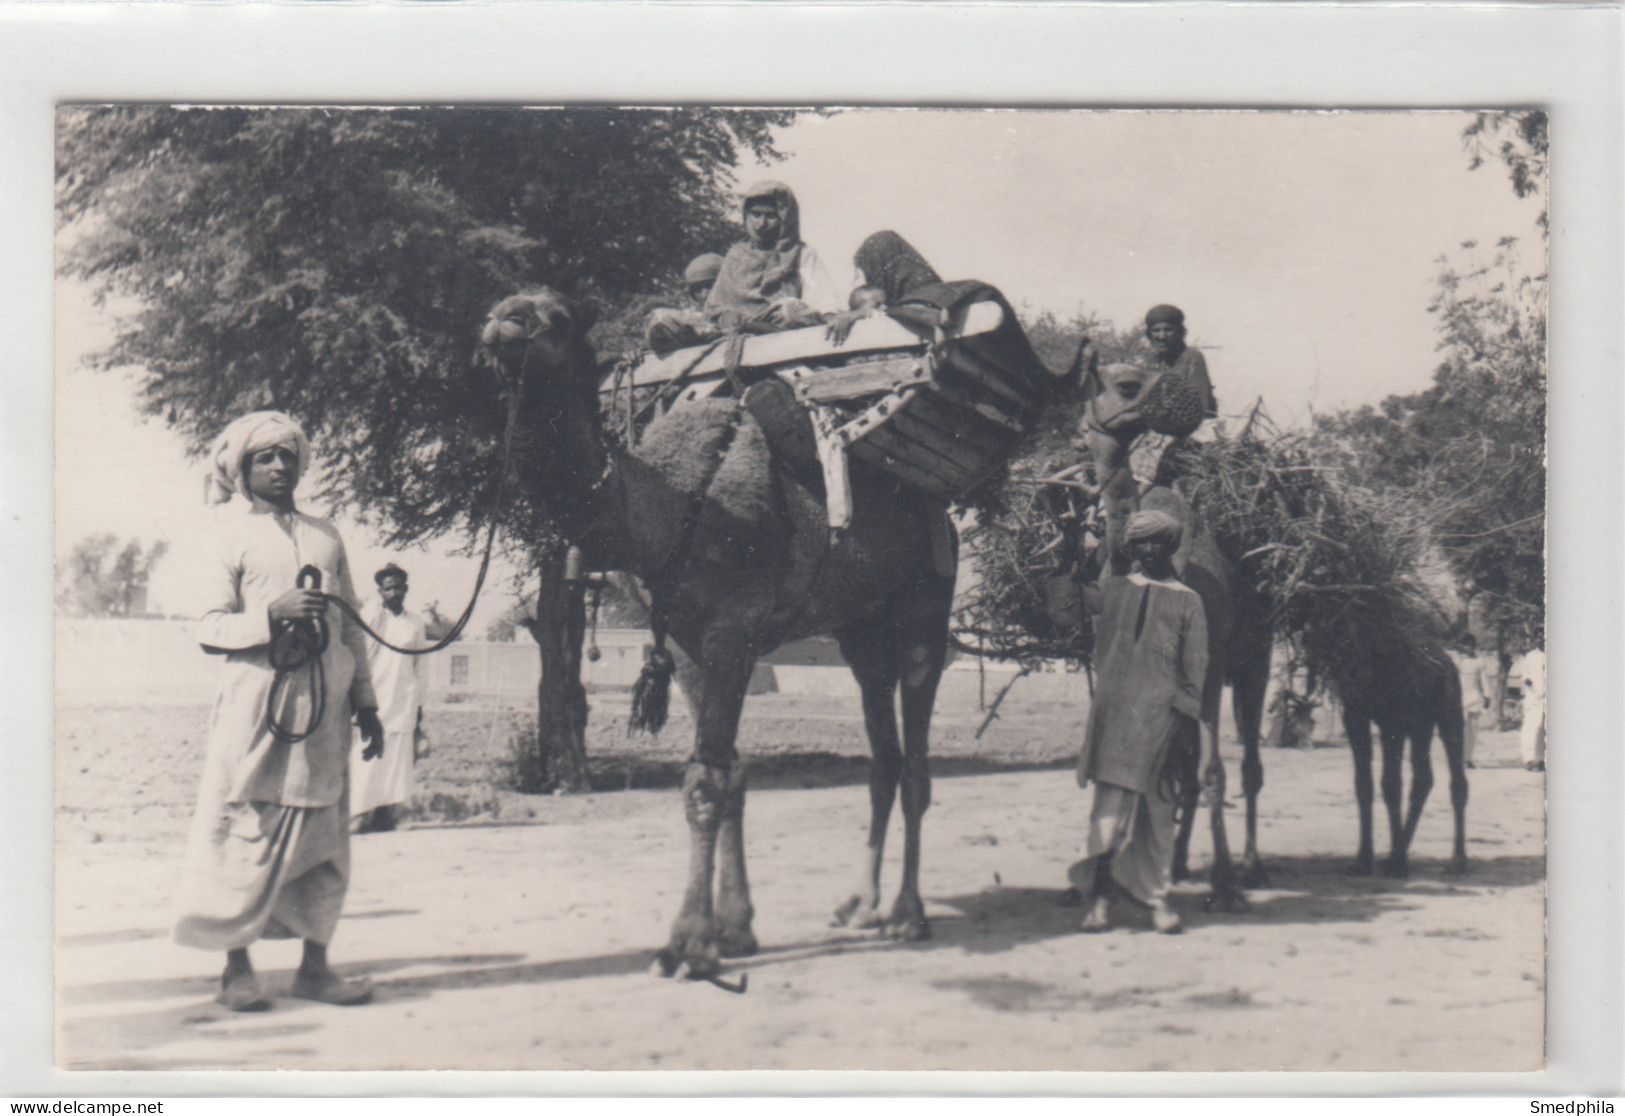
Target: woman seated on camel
[(771, 281), (888, 270)]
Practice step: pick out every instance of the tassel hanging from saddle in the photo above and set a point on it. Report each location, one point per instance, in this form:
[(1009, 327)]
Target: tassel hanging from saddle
[(651, 693)]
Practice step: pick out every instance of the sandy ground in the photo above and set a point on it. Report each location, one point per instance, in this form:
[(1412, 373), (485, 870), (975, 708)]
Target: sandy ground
[(515, 932)]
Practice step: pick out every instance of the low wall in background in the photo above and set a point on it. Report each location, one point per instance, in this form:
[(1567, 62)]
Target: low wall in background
[(124, 661), (119, 662)]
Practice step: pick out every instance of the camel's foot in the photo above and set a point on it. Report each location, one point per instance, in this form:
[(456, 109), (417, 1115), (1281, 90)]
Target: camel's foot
[(736, 940), (1226, 898), (1458, 865), (691, 953), (1253, 873), (1361, 866), (857, 913), (1396, 868), (907, 922), (1181, 872)]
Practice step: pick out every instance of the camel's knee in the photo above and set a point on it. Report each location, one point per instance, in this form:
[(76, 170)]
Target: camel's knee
[(707, 794), (1252, 776)]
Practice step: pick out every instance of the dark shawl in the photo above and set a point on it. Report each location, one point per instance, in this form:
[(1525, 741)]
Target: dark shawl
[(890, 264)]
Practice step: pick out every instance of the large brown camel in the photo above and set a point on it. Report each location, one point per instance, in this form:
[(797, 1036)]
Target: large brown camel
[(743, 549)]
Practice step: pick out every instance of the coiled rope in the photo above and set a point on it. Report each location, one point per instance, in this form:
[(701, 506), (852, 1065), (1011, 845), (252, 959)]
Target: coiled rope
[(299, 644)]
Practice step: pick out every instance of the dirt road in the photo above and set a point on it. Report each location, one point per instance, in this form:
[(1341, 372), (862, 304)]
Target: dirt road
[(520, 937)]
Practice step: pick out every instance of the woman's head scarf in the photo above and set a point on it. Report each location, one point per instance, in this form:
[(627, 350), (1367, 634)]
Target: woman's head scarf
[(253, 432), (752, 279), (1155, 526), (783, 199), (890, 264)]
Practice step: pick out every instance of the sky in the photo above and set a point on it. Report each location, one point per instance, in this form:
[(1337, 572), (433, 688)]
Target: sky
[(1303, 248)]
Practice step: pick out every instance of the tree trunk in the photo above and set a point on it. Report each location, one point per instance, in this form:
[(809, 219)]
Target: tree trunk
[(560, 759)]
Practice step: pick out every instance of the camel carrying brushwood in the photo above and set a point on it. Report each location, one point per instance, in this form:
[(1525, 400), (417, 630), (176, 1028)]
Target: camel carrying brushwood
[(729, 530)]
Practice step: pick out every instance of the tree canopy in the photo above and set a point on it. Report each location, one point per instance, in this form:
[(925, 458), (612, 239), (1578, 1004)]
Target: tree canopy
[(337, 264), (1471, 449)]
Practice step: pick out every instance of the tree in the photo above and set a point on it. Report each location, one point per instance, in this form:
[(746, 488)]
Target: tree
[(1519, 141), (1472, 447), (95, 582), (336, 265)]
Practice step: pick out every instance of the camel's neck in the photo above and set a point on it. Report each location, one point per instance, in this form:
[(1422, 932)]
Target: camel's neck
[(604, 507)]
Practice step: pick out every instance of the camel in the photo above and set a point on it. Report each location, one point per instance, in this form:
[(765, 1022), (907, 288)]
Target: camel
[(1239, 640), (1408, 692), (740, 548)]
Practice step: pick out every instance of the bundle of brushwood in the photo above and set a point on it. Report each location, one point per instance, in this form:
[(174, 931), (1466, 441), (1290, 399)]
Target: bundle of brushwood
[(1337, 567)]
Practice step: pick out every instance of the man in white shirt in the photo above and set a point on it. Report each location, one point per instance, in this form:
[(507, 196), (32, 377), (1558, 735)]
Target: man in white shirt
[(1532, 736), (377, 787)]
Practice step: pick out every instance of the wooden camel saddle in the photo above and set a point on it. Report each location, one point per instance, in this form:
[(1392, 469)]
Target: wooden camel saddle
[(935, 394)]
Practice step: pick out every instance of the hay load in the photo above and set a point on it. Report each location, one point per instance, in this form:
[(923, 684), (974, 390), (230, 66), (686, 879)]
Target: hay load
[(1341, 568)]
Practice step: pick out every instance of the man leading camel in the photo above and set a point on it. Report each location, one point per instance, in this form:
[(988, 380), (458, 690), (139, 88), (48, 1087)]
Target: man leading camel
[(1151, 658), (269, 852)]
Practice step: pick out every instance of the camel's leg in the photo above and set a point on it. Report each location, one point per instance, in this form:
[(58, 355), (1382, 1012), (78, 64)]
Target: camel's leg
[(1452, 731), (1393, 776), (871, 650), (1421, 735), (1224, 892), (1358, 727), (734, 911), (1224, 889), (1119, 494), (1250, 675), (714, 790), (1189, 804), (923, 647)]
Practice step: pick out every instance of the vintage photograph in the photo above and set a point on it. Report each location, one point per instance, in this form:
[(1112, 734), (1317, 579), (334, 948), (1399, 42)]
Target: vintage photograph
[(729, 588)]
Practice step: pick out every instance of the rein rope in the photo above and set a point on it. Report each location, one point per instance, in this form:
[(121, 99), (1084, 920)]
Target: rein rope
[(299, 644)]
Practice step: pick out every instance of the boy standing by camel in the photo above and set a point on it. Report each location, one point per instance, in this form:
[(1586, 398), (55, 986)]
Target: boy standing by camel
[(1151, 651)]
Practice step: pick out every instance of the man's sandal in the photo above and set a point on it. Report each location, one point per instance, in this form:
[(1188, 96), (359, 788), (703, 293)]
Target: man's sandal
[(343, 993), (242, 993)]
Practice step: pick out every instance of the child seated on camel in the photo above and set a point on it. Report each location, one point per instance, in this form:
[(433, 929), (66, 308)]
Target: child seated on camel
[(672, 328)]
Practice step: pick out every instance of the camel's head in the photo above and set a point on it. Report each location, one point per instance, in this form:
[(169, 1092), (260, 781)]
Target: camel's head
[(539, 336), (1124, 380)]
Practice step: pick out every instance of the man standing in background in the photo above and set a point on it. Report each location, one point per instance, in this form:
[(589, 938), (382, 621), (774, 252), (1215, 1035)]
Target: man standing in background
[(1532, 736), (377, 788)]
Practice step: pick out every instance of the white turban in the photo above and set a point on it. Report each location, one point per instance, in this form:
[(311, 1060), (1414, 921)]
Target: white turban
[(1156, 526), (253, 432)]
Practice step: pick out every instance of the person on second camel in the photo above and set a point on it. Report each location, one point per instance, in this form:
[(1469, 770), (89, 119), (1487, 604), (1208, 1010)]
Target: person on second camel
[(1154, 458), (269, 851), (378, 786), (771, 280), (1151, 658)]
